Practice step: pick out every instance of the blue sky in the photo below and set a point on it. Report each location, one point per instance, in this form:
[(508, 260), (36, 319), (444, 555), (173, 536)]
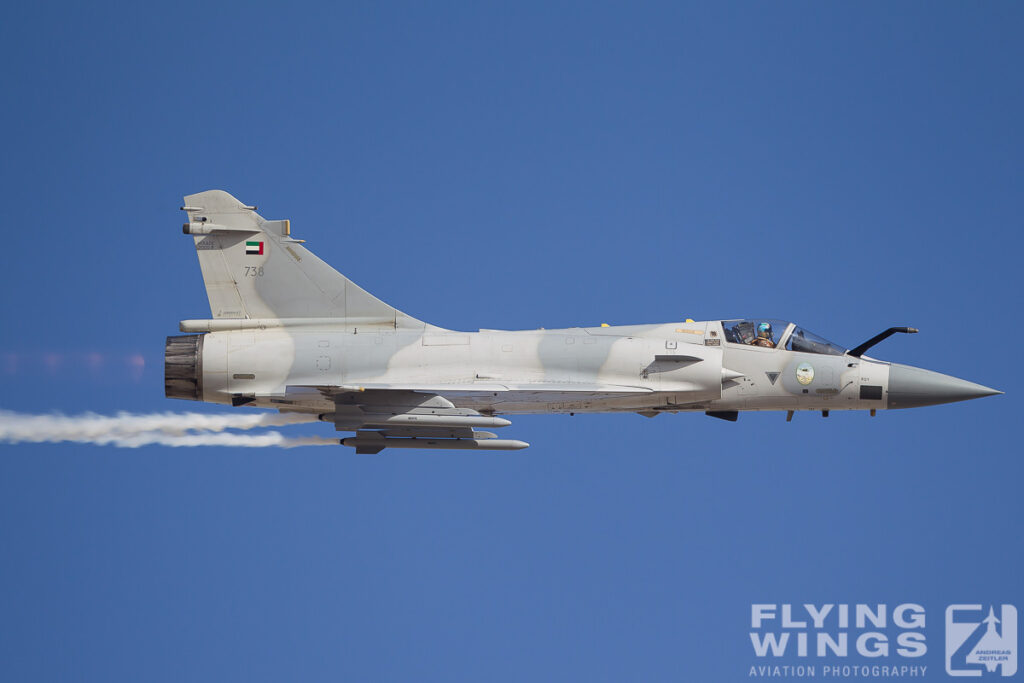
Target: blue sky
[(847, 166)]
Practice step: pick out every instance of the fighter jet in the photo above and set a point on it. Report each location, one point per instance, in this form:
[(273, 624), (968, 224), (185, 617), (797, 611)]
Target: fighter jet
[(290, 333)]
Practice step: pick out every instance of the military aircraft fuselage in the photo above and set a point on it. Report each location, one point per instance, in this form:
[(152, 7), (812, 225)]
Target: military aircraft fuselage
[(674, 367)]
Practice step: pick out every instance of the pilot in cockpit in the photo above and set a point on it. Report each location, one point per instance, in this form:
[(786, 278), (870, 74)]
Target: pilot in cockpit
[(764, 336)]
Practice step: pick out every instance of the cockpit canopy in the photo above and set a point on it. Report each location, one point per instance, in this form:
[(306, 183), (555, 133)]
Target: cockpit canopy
[(771, 333), (747, 332)]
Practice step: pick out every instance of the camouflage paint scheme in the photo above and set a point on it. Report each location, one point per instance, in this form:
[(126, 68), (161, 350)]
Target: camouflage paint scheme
[(289, 332)]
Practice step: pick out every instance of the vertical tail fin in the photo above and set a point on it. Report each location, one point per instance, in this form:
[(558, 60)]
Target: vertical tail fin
[(253, 268)]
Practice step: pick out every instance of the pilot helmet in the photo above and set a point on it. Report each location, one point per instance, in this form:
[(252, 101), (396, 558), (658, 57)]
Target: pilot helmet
[(764, 330)]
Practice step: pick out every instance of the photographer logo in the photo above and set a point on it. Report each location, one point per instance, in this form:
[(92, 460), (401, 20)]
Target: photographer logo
[(981, 640)]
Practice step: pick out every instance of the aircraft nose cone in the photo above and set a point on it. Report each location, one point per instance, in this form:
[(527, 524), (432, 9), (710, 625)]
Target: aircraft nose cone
[(911, 387)]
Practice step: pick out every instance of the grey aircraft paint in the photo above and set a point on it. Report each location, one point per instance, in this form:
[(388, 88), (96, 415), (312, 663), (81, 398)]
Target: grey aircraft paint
[(290, 333)]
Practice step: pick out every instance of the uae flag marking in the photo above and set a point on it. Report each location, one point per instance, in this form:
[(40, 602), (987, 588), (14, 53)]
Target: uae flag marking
[(254, 248)]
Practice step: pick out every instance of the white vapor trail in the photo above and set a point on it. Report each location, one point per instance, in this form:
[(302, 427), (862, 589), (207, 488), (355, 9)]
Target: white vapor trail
[(128, 430)]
